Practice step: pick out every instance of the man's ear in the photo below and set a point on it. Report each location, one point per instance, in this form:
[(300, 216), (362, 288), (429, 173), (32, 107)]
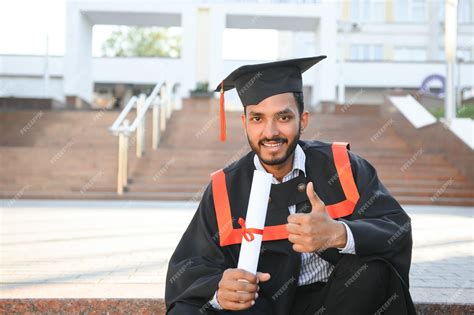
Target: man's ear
[(304, 120)]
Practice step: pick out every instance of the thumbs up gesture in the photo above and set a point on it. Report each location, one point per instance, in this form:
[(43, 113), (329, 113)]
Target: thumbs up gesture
[(315, 231)]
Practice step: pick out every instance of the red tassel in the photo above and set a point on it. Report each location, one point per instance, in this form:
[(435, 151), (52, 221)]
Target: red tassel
[(223, 134)]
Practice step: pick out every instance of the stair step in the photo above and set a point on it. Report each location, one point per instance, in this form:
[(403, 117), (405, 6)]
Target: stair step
[(180, 169)]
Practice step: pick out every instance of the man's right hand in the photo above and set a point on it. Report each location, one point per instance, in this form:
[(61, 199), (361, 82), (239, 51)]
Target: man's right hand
[(238, 289)]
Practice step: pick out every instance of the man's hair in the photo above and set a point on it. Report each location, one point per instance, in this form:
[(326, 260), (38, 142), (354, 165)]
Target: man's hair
[(299, 98)]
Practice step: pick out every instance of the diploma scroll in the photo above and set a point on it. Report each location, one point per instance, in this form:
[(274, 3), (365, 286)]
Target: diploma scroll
[(254, 223)]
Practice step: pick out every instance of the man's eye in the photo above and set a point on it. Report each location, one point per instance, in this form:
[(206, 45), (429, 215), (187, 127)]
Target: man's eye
[(284, 118), (257, 119)]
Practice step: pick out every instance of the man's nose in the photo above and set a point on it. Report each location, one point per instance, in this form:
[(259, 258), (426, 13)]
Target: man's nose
[(270, 130)]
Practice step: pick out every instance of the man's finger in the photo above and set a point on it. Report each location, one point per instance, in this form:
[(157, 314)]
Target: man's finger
[(241, 286), (299, 248), (234, 306), (240, 274), (316, 202), (295, 239), (238, 297), (293, 228), (298, 218)]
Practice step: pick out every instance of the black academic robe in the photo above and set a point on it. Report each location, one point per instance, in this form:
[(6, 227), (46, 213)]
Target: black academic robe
[(380, 227)]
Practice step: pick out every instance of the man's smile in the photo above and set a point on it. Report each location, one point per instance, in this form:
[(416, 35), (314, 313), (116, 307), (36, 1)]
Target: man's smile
[(273, 146)]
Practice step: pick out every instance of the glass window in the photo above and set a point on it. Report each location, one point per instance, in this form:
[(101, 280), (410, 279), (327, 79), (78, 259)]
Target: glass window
[(367, 52), (378, 11), (410, 10), (441, 11), (403, 53), (377, 53), (418, 10), (465, 11), (357, 52), (464, 54), (368, 10), (401, 10), (441, 54)]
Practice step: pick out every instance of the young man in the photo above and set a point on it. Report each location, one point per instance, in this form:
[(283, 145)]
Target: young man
[(335, 240)]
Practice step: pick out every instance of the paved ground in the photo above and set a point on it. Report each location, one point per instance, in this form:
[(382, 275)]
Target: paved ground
[(103, 249)]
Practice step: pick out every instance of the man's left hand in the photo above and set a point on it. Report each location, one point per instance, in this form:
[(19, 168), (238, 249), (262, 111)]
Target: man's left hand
[(315, 231)]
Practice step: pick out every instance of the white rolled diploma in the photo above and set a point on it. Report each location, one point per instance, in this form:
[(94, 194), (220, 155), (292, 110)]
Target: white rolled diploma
[(255, 218)]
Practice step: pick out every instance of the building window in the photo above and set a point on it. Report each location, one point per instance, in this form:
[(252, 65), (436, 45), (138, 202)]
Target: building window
[(464, 54), (366, 52), (403, 53), (441, 54), (410, 10), (368, 10), (465, 11)]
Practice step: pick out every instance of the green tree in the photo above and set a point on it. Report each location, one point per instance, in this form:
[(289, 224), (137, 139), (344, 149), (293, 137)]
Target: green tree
[(142, 42)]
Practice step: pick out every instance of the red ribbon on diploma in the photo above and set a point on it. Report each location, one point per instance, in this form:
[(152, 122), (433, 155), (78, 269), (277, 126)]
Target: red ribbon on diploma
[(248, 233)]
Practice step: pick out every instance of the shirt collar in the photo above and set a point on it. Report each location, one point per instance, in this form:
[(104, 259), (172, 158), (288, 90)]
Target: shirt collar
[(299, 160)]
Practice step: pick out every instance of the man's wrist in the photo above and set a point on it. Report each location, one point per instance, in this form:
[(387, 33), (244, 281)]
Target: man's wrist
[(215, 303), (340, 236)]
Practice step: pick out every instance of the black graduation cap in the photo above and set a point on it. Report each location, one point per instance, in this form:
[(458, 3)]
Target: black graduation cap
[(254, 83)]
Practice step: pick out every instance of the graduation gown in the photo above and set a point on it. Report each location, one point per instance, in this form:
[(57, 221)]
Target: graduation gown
[(380, 227)]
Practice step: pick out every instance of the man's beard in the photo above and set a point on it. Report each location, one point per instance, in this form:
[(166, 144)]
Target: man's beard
[(275, 161)]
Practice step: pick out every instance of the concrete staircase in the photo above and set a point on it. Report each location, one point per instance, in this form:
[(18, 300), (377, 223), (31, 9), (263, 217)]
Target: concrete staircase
[(57, 154), (71, 154)]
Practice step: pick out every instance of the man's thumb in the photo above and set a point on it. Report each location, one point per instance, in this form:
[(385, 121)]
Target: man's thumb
[(314, 198), (263, 276)]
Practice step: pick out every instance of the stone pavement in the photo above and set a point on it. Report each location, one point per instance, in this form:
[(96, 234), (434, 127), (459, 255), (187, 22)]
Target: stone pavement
[(120, 249)]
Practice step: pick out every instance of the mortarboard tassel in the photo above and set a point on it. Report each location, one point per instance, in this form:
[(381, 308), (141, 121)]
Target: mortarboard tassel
[(223, 134)]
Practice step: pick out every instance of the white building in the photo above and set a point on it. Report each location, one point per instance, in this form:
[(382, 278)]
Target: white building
[(372, 45)]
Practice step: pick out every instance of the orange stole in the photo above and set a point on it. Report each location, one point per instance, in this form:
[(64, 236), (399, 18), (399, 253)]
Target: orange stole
[(229, 236)]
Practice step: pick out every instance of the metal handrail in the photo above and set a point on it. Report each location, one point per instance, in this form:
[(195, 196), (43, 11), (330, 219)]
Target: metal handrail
[(141, 113), (162, 106), (123, 114)]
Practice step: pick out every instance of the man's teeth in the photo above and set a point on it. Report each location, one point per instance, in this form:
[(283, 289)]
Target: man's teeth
[(272, 144)]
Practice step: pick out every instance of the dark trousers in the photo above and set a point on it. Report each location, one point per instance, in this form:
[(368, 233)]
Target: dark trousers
[(354, 287)]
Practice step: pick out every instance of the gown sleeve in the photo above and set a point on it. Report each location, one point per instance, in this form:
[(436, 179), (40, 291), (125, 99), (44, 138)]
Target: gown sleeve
[(196, 266), (379, 224)]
